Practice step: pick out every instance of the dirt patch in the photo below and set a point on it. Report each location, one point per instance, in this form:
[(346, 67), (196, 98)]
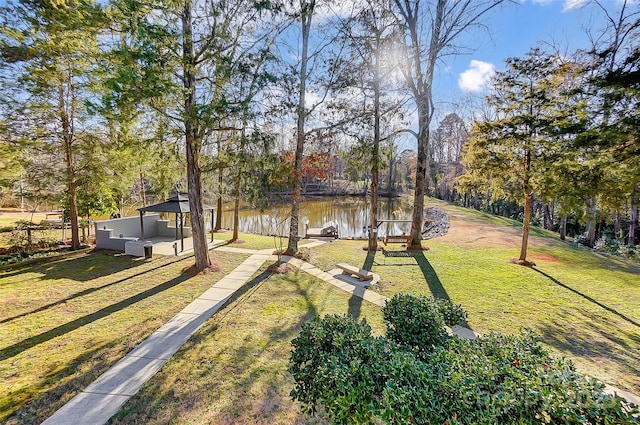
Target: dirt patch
[(472, 233), (524, 263), (545, 257), (213, 268)]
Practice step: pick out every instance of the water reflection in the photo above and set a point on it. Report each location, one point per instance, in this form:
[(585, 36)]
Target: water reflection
[(350, 213)]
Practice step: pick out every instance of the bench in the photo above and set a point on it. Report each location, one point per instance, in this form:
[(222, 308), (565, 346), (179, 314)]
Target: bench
[(53, 219), (361, 274), (404, 239)]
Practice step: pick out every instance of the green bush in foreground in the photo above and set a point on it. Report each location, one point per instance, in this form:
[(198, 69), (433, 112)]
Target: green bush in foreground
[(418, 322), (496, 379)]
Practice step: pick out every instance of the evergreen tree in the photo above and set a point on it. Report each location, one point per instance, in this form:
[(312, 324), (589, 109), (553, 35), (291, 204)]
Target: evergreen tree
[(183, 60), (510, 155), (50, 49)]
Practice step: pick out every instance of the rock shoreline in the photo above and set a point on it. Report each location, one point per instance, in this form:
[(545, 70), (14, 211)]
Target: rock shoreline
[(436, 223)]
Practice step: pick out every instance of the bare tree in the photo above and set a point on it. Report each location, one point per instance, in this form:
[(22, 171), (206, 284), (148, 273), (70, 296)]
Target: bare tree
[(307, 8), (431, 28), (315, 68)]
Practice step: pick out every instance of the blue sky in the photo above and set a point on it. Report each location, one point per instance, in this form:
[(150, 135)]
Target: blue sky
[(513, 31)]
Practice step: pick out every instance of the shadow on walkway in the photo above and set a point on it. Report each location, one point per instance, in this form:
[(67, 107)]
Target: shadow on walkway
[(355, 302), (588, 298)]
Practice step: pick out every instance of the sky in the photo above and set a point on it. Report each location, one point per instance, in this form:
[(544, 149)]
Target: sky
[(512, 32)]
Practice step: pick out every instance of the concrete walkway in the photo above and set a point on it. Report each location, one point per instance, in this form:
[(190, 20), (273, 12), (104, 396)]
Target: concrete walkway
[(106, 395)]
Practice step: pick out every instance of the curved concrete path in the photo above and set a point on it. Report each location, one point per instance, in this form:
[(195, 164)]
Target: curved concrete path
[(104, 396)]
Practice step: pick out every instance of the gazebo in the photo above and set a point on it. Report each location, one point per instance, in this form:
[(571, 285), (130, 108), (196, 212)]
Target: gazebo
[(179, 205)]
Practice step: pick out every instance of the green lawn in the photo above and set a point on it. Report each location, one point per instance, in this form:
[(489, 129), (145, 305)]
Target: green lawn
[(585, 306), (64, 323), (234, 371)]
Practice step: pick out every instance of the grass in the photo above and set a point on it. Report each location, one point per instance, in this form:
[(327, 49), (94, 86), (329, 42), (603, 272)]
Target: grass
[(584, 306), (64, 323), (67, 322), (9, 218), (233, 371), (249, 241)]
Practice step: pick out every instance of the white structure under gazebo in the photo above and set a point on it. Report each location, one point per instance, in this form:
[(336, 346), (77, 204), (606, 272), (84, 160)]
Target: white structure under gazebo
[(178, 205), (132, 234)]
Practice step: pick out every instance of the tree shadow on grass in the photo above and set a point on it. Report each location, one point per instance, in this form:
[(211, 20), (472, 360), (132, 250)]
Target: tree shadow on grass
[(88, 267), (35, 403), (598, 338), (590, 299), (356, 300), (432, 279), (86, 292), (245, 291), (396, 254), (237, 380), (602, 347), (13, 350)]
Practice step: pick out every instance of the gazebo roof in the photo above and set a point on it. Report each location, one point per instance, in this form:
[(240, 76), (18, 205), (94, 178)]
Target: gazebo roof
[(175, 204)]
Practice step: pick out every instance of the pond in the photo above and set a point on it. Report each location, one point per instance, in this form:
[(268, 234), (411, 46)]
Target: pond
[(351, 214)]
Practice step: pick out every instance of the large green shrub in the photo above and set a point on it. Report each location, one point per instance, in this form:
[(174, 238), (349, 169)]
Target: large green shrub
[(336, 363), (496, 379), (418, 322)]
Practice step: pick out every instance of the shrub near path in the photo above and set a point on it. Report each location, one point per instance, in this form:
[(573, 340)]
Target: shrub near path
[(64, 323), (585, 306)]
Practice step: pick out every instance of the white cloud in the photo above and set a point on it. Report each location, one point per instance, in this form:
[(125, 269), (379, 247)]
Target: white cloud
[(573, 4), (477, 77)]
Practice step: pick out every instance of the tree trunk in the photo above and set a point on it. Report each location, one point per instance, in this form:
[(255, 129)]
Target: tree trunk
[(547, 217), (67, 142), (73, 215), (528, 198), (375, 156), (192, 142), (236, 210), (526, 222), (218, 224), (591, 213), (421, 175), (618, 234), (390, 185), (563, 227), (424, 101), (239, 170), (306, 14), (143, 194), (219, 203), (635, 206)]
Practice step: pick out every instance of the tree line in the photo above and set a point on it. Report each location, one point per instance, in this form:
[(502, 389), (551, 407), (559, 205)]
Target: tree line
[(99, 98), (559, 137)]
